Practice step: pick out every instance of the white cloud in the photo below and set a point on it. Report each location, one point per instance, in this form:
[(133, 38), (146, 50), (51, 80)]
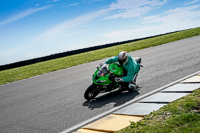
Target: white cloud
[(55, 34), (192, 2), (132, 8), (55, 0), (22, 15), (75, 4), (139, 32), (171, 20), (60, 30), (50, 1), (179, 14)]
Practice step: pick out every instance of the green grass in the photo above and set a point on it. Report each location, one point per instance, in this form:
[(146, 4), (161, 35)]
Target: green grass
[(180, 116), (15, 74)]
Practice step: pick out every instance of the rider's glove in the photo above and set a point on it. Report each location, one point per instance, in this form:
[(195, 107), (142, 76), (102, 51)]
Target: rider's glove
[(118, 79)]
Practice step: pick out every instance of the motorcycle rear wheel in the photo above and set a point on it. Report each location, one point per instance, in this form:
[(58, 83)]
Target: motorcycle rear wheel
[(91, 92)]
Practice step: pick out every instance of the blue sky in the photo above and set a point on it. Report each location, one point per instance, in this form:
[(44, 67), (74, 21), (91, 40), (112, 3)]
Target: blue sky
[(35, 28)]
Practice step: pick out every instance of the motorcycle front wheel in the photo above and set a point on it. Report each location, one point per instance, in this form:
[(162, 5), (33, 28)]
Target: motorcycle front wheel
[(91, 92)]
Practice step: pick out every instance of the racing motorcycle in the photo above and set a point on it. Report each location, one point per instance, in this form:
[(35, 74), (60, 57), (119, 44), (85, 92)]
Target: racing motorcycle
[(103, 79)]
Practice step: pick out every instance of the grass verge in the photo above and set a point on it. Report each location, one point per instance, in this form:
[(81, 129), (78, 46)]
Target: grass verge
[(24, 72), (180, 116)]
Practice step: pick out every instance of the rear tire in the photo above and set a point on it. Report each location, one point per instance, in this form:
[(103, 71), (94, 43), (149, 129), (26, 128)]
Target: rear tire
[(91, 92)]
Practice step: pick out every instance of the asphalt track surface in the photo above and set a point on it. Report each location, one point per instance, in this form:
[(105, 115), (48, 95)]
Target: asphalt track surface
[(54, 102)]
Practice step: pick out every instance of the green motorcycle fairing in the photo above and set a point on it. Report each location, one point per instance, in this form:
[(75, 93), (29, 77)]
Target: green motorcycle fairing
[(101, 75)]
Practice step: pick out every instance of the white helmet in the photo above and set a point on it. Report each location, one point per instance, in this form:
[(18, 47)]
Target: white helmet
[(122, 57)]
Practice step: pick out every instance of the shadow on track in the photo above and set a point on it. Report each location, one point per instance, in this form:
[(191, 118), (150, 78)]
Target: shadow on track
[(116, 97)]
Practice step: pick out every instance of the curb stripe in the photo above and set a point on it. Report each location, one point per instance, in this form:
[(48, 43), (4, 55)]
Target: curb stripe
[(99, 130), (112, 123), (88, 131), (130, 115)]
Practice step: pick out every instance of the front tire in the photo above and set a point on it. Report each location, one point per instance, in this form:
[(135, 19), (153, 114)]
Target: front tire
[(91, 92)]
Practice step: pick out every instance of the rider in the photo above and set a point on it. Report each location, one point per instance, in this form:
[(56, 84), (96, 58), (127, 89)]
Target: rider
[(131, 66)]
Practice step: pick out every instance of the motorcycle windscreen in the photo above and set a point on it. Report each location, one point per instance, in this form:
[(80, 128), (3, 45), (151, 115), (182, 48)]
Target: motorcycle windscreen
[(103, 71)]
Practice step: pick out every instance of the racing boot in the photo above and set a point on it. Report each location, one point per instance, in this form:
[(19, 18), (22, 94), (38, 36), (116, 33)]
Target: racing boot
[(132, 85)]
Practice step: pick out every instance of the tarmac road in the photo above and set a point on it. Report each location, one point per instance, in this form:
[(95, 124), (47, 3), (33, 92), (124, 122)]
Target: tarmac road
[(54, 102)]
